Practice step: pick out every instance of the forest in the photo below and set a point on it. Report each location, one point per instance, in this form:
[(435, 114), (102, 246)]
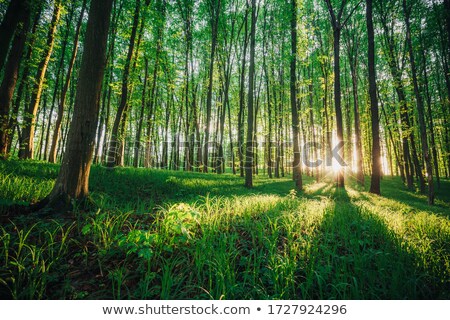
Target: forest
[(225, 149)]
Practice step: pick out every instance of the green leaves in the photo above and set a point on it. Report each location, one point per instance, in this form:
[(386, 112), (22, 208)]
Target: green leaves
[(180, 221), (139, 242)]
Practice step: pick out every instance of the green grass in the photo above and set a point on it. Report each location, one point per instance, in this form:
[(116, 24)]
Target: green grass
[(175, 235)]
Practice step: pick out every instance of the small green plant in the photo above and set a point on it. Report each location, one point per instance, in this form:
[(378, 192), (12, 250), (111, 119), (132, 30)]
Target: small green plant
[(180, 221)]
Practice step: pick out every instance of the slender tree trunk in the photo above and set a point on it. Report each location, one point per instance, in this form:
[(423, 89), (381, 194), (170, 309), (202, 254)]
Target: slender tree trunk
[(357, 123), (312, 123), (215, 11), (337, 104), (43, 111), (62, 102), (58, 76), (391, 138), (376, 150), (242, 99), (296, 165), (249, 161), (348, 126), (223, 112), (268, 147), (230, 132), (27, 143), (117, 139), (12, 17), (282, 138), (151, 105), (433, 146), (137, 143), (10, 76), (406, 135), (420, 106)]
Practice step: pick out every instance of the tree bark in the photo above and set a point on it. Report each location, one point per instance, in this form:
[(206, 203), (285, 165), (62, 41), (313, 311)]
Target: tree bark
[(336, 26), (357, 122), (10, 76), (117, 140), (27, 143), (375, 120), (24, 80), (62, 102), (58, 76), (73, 179), (8, 27), (296, 165), (137, 142), (406, 134), (420, 106), (242, 98), (433, 146), (249, 161), (215, 11)]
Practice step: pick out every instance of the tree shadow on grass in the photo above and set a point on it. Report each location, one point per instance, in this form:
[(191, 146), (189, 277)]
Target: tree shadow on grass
[(356, 256), (152, 188), (235, 255), (392, 188)]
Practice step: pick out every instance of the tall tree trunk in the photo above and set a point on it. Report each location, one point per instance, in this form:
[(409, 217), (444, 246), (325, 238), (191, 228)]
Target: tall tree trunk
[(312, 123), (249, 161), (43, 111), (24, 80), (230, 132), (215, 12), (242, 98), (221, 118), (12, 17), (58, 75), (27, 143), (65, 89), (357, 122), (433, 146), (117, 139), (406, 134), (10, 76), (137, 143), (375, 120), (151, 101), (73, 179), (391, 138), (296, 165), (348, 124), (268, 139), (337, 104), (336, 25), (420, 106)]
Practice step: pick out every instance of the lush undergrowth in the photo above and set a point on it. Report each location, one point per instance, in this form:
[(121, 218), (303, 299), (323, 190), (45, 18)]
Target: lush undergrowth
[(170, 235)]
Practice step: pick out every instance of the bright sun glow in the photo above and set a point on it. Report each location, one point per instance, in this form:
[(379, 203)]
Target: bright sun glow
[(336, 166)]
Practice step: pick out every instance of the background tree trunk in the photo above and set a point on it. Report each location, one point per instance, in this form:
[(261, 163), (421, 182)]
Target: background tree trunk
[(62, 102), (10, 76), (27, 143), (375, 120), (249, 161), (296, 165)]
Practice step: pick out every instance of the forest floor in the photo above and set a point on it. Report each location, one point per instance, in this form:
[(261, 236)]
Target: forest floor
[(174, 235)]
